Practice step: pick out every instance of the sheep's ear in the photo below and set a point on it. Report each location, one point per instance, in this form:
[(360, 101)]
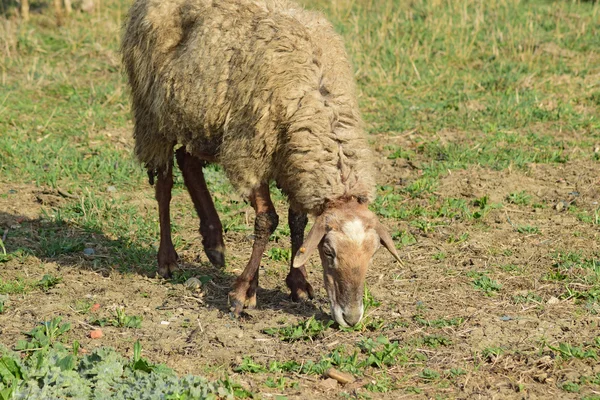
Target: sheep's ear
[(386, 240), (311, 242)]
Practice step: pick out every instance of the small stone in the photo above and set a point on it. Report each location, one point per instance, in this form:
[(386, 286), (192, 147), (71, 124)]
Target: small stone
[(12, 191), (111, 189), (553, 300), (96, 334), (164, 322), (559, 206), (88, 251), (240, 335), (95, 307), (329, 384), (193, 283), (506, 318)]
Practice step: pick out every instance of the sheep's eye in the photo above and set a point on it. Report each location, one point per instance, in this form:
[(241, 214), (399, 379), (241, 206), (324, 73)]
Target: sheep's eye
[(329, 252)]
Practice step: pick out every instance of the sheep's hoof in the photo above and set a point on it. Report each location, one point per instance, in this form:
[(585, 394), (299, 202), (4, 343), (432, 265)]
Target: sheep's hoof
[(166, 271), (242, 296), (300, 288), (216, 257), (167, 263)]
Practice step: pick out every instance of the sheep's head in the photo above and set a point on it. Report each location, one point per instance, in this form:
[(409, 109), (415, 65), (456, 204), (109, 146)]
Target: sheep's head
[(347, 236)]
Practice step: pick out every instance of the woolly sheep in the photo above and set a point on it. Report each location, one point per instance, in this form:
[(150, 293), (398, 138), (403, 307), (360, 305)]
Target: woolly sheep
[(263, 88)]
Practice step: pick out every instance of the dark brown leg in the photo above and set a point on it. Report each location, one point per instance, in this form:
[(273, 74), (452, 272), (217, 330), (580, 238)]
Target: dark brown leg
[(296, 279), (167, 257), (244, 289), (210, 224)]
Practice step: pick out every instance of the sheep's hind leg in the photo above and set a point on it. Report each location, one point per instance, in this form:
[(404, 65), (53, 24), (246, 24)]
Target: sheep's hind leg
[(296, 279), (167, 257), (210, 224), (244, 289)]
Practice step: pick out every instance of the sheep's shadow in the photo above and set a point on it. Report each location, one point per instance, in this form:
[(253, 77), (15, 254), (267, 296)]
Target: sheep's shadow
[(73, 245)]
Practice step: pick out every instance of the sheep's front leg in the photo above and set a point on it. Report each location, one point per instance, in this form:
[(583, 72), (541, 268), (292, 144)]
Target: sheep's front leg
[(296, 279), (244, 289), (210, 224), (167, 257)]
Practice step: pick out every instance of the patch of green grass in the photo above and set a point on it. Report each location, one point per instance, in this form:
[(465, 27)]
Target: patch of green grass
[(571, 387), (382, 384), (249, 366), (44, 335), (120, 319), (511, 268), (405, 238), (568, 351), (280, 383), (48, 281), (463, 237), (530, 297), (438, 323), (279, 254), (47, 369), (528, 229), (486, 284), (304, 330), (519, 198), (585, 216), (16, 286), (83, 306), (429, 375), (454, 372), (435, 341), (380, 352), (491, 353)]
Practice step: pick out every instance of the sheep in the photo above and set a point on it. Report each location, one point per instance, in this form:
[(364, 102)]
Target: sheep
[(264, 88)]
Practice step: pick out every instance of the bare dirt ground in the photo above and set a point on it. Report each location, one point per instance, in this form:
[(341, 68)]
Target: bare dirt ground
[(193, 332)]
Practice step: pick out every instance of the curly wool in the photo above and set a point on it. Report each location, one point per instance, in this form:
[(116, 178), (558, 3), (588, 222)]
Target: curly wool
[(262, 87)]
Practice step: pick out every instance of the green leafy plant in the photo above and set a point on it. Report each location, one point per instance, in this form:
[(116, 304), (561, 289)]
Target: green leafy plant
[(44, 335), (429, 375), (380, 352), (249, 366), (48, 281), (305, 330), (519, 198), (279, 254), (120, 320), (567, 351), (487, 285)]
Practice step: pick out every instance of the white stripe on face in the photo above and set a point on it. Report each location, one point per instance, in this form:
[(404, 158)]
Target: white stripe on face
[(354, 230)]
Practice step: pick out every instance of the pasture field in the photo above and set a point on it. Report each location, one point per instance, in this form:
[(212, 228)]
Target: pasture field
[(485, 119)]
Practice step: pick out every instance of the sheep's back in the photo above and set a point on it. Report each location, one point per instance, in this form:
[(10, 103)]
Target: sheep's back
[(256, 84)]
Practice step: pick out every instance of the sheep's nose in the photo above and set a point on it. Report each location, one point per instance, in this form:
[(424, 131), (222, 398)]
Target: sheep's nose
[(353, 317)]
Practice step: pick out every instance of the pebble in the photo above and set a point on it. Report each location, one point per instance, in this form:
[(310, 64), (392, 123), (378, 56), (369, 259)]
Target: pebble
[(96, 334), (88, 251), (111, 189), (193, 283)]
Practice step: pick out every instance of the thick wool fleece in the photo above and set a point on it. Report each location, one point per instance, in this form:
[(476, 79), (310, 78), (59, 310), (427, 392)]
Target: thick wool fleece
[(262, 86)]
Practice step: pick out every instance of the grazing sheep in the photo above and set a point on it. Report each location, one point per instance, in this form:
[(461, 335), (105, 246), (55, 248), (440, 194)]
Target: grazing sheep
[(263, 88)]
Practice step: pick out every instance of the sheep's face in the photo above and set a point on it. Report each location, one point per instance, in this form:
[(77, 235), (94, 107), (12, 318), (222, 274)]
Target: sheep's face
[(347, 237)]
